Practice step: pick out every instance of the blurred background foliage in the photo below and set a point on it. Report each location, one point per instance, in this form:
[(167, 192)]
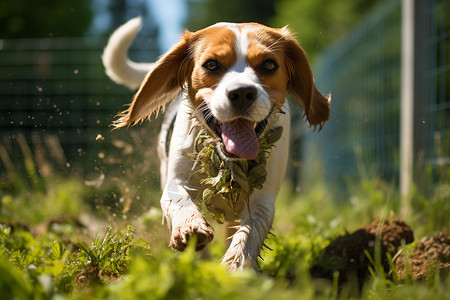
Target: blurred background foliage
[(317, 23), (205, 13), (53, 86), (64, 174), (58, 86), (48, 18)]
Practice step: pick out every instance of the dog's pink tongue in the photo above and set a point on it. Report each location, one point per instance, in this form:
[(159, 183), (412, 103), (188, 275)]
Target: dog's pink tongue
[(239, 138)]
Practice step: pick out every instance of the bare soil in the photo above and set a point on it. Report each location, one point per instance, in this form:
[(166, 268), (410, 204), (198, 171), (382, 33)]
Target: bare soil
[(430, 257), (351, 255)]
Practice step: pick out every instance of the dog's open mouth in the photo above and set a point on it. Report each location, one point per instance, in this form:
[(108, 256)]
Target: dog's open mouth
[(239, 137)]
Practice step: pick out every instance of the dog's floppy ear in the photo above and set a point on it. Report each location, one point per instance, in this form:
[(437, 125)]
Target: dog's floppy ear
[(161, 84), (301, 83)]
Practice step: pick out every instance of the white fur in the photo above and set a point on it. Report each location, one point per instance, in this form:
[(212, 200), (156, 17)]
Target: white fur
[(182, 191), (115, 59), (240, 74)]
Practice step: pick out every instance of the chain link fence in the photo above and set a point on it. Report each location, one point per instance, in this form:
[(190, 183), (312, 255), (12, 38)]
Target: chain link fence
[(363, 73), (56, 89)]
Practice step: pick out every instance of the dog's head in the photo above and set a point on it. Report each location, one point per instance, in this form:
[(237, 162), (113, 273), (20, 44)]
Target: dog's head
[(236, 76)]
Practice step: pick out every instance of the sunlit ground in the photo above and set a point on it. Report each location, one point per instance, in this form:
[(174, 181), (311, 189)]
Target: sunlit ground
[(66, 232)]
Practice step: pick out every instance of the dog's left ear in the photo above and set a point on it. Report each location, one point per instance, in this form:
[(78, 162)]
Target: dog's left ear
[(301, 83), (161, 84)]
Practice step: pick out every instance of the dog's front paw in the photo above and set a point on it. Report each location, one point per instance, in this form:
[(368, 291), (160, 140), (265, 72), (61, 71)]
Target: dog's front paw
[(182, 233), (237, 261), (241, 254), (233, 261)]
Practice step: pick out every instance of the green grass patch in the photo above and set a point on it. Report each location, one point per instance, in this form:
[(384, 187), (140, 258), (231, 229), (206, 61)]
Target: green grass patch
[(49, 251)]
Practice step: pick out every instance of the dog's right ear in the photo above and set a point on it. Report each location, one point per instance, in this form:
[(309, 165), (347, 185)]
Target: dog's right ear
[(161, 85)]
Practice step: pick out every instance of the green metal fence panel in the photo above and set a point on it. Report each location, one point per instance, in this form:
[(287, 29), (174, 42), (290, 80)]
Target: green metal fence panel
[(362, 72), (57, 86), (433, 115)]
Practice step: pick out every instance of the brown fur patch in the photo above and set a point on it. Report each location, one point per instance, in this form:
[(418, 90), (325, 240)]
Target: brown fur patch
[(184, 64)]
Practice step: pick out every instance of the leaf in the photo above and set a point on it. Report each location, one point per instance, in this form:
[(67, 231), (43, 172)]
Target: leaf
[(88, 251), (238, 175), (213, 180), (57, 250), (208, 194), (257, 176), (274, 135), (216, 213), (233, 180)]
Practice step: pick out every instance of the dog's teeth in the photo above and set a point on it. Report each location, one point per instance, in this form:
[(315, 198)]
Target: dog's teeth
[(254, 125)]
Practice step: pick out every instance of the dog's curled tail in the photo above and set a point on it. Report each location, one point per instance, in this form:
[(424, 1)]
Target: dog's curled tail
[(115, 56)]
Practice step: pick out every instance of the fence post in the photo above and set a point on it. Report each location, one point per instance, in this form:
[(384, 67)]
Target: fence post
[(407, 106)]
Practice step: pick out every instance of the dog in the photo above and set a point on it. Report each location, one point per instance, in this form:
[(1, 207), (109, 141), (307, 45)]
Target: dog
[(232, 80)]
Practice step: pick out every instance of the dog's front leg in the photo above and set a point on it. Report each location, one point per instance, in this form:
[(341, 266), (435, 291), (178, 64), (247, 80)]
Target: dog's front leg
[(257, 218), (246, 243), (184, 217)]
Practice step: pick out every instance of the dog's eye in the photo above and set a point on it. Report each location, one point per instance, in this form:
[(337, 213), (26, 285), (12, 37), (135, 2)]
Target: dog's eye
[(211, 66), (269, 66)]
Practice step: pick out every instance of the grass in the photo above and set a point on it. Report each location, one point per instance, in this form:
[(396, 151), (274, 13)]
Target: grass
[(122, 253)]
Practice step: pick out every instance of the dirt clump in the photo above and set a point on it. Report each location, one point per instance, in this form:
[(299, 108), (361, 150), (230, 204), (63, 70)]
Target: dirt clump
[(430, 257), (393, 233), (350, 255)]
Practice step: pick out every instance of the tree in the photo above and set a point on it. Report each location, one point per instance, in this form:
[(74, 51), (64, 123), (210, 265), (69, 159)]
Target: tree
[(44, 18), (208, 12), (319, 22), (316, 22)]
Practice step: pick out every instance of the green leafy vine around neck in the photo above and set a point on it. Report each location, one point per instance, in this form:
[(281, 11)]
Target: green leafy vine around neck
[(233, 180)]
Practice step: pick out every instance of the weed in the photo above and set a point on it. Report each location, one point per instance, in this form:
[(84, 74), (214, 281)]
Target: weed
[(65, 261)]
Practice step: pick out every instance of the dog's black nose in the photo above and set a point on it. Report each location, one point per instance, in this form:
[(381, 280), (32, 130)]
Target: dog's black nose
[(242, 97)]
